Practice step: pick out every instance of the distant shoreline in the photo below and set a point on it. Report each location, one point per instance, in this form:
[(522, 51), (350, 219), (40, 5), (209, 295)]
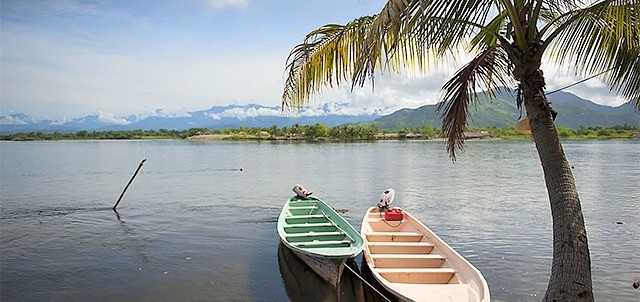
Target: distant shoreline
[(319, 133), (231, 138), (380, 136)]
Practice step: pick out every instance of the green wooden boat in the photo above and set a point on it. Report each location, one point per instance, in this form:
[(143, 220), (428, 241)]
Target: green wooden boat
[(319, 236)]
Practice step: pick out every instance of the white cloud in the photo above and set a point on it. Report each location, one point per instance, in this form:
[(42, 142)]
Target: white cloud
[(594, 90), (164, 113), (72, 74), (219, 5), (244, 113), (391, 92), (111, 119), (11, 120), (61, 121)]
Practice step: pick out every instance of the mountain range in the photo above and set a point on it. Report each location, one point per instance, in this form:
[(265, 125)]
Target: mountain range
[(217, 117), (499, 112), (502, 111)]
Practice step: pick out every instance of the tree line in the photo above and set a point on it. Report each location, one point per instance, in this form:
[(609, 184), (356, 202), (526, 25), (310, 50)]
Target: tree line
[(362, 131)]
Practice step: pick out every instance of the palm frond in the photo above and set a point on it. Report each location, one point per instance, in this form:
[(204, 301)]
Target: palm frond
[(382, 34), (417, 33), (325, 58), (489, 71), (564, 5), (489, 35), (601, 37)]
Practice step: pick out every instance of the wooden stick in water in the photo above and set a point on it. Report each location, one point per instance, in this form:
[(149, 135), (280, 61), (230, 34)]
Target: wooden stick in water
[(130, 181)]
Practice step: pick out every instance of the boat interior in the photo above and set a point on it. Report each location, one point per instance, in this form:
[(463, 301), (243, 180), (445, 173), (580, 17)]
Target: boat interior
[(309, 227), (403, 254)]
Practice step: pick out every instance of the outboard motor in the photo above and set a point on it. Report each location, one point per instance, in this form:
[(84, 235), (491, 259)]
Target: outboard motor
[(390, 214), (301, 192), (386, 199)]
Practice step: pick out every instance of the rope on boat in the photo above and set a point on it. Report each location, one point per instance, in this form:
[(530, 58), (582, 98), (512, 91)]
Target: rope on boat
[(367, 283), (385, 221)]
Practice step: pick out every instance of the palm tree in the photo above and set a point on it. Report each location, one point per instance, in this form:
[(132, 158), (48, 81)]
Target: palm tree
[(510, 39)]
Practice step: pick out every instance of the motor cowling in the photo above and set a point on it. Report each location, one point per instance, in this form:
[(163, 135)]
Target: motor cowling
[(386, 198), (301, 192)]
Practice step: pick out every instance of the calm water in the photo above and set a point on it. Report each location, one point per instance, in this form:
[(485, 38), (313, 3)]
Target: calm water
[(193, 227)]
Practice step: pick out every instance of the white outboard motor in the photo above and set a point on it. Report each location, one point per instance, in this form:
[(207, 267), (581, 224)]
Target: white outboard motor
[(386, 199), (301, 192)]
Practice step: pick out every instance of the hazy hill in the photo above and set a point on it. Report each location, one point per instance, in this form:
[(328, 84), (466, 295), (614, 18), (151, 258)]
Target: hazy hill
[(217, 117), (573, 112)]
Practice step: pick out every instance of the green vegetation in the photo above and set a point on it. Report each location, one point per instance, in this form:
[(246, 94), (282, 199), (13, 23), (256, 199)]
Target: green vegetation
[(86, 135), (502, 111), (566, 133), (362, 131)]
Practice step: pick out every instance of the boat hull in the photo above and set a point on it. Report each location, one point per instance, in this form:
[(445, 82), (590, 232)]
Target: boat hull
[(329, 269), (414, 264)]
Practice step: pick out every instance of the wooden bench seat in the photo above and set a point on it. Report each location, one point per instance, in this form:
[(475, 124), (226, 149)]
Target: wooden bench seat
[(321, 244), (408, 260), (310, 225), (314, 234), (437, 292), (303, 219), (418, 275), (394, 236), (306, 216), (400, 247)]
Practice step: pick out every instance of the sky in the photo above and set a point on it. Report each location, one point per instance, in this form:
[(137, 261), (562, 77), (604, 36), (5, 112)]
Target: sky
[(71, 58)]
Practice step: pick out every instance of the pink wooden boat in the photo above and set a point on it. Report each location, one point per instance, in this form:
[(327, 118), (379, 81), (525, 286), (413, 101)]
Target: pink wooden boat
[(414, 264)]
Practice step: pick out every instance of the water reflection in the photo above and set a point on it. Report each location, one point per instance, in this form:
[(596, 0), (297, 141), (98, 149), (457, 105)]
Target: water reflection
[(302, 284), (133, 238)]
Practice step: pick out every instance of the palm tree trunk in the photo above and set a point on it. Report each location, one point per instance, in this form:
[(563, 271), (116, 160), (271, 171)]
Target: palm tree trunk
[(571, 267)]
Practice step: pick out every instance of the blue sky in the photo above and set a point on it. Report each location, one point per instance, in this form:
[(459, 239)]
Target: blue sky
[(68, 58)]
